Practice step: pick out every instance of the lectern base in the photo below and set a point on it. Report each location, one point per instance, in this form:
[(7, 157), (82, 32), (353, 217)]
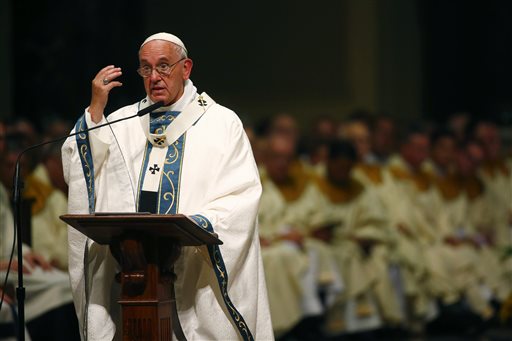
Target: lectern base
[(146, 247), (147, 321)]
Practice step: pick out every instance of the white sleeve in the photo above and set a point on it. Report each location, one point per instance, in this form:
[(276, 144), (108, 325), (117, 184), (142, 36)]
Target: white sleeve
[(99, 140)]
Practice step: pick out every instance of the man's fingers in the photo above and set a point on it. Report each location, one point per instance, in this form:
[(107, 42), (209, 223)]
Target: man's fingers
[(34, 260), (42, 262), (14, 267), (113, 85), (30, 260), (106, 68), (109, 75), (103, 82)]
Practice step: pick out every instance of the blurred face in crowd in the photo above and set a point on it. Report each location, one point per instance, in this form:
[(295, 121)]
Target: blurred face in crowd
[(458, 123), (384, 137), (8, 167), (285, 125), (469, 158), (464, 164), (57, 129), (475, 153), (53, 164), (416, 150), (359, 134), (25, 128), (2, 139), (14, 144), (257, 144), (319, 154), (444, 152), (487, 134), (339, 170), (325, 128), (279, 158), (164, 87), (3, 167)]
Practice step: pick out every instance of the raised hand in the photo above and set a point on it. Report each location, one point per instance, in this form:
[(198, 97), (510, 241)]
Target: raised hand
[(101, 86)]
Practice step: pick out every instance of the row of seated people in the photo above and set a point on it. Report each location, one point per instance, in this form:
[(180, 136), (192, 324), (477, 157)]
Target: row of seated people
[(353, 240), (352, 246), (49, 311)]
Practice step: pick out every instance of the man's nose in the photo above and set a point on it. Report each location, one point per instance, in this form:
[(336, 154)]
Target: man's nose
[(155, 76)]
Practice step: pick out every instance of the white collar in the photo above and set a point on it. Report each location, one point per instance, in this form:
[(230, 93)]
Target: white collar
[(190, 114), (189, 93)]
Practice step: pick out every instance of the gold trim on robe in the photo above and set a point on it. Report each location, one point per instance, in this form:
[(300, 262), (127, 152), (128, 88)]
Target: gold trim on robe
[(37, 190), (372, 172), (339, 194), (421, 179)]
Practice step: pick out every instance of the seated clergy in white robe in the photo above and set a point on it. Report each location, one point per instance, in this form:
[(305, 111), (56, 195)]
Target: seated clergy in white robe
[(296, 267), (49, 233), (407, 198), (497, 176), (450, 206), (48, 294), (353, 220), (190, 157)]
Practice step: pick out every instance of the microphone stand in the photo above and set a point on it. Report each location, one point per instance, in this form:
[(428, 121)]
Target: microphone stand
[(18, 186)]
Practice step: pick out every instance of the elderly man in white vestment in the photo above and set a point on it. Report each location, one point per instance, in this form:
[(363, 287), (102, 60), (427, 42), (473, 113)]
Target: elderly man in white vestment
[(190, 157)]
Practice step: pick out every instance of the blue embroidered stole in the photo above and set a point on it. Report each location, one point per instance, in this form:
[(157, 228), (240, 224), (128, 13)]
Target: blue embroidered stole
[(165, 200), (84, 148), (222, 279)]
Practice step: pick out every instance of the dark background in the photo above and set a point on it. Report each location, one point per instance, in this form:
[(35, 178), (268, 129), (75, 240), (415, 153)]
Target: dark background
[(253, 52), (468, 57)]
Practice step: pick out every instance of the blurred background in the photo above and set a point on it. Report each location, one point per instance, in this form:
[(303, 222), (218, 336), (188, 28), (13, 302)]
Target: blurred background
[(407, 58)]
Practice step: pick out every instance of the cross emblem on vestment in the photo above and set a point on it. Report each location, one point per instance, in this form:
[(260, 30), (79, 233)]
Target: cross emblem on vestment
[(154, 169), (201, 102), (159, 140)]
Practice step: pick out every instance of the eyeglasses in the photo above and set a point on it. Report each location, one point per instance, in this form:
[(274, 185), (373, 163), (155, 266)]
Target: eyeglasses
[(163, 69)]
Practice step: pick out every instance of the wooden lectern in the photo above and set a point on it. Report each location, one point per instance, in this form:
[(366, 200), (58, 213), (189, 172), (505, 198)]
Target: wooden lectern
[(146, 247)]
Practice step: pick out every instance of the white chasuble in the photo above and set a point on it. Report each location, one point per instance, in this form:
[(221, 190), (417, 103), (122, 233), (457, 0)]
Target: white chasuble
[(207, 171)]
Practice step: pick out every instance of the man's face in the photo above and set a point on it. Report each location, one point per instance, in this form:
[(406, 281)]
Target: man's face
[(278, 165), (159, 87), (476, 153), (358, 133), (444, 152), (286, 126), (339, 170), (416, 150), (279, 158), (2, 138), (383, 137)]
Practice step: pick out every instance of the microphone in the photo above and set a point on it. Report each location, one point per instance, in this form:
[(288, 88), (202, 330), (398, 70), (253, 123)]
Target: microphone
[(20, 290), (146, 110)]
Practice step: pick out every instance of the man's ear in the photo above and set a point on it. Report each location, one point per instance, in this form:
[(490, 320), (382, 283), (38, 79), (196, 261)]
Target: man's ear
[(187, 68)]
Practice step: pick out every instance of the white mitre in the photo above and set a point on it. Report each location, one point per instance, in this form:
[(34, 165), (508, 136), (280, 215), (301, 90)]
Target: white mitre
[(167, 37)]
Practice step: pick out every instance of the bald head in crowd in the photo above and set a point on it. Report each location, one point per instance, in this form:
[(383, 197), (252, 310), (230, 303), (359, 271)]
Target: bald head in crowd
[(281, 152)]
